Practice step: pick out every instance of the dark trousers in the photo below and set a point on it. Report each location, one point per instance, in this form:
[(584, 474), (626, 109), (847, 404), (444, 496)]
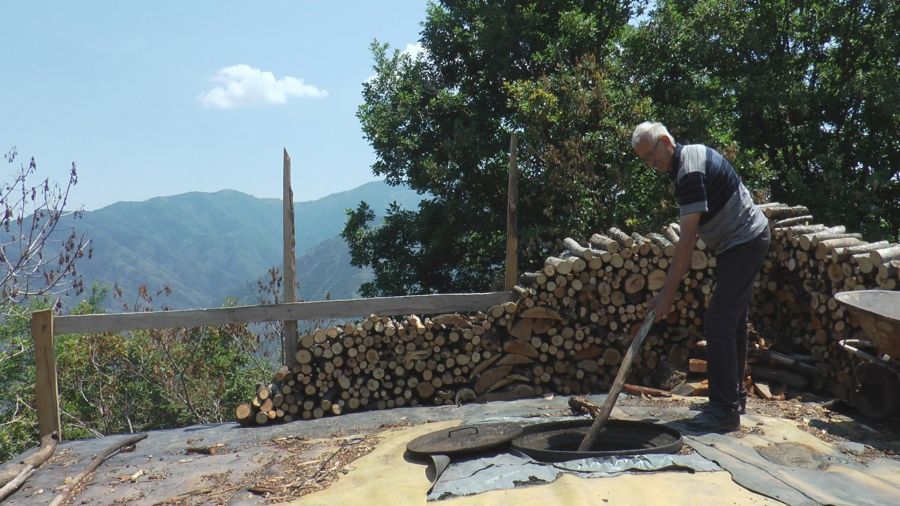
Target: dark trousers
[(726, 321)]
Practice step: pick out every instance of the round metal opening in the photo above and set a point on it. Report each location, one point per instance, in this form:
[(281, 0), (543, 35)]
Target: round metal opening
[(465, 439), (558, 441)]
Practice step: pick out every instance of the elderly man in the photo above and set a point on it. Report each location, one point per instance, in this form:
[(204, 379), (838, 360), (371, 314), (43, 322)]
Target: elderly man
[(716, 207)]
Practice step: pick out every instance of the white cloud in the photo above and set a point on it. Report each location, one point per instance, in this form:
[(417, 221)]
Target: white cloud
[(244, 85), (414, 50)]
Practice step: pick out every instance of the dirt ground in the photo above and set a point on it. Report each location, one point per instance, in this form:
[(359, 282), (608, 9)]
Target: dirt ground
[(277, 464), (845, 432)]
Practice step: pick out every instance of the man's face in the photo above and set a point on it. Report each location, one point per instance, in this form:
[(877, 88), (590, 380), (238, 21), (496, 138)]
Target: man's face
[(655, 154)]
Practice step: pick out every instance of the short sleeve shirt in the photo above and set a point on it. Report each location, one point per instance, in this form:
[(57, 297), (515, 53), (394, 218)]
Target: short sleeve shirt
[(706, 183)]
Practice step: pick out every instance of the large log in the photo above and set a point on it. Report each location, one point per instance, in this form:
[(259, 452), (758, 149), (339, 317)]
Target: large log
[(796, 230), (622, 238), (604, 243), (522, 329), (578, 249), (699, 260), (489, 377), (517, 391), (805, 219), (883, 255), (656, 279), (671, 234), (553, 265), (771, 374), (843, 254), (243, 413), (664, 244), (775, 358), (514, 359), (634, 283), (521, 348), (541, 312), (780, 213), (48, 446)]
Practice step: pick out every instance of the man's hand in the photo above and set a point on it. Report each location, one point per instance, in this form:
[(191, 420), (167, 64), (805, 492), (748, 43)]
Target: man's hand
[(680, 265), (661, 306)]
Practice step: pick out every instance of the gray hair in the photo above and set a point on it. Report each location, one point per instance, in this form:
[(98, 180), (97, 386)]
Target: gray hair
[(650, 131)]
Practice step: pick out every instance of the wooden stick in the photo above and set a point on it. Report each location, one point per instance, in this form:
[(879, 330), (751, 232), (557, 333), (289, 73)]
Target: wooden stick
[(205, 450), (582, 405), (94, 464), (17, 482), (616, 388), (12, 482), (512, 204), (289, 345), (48, 446), (649, 392)]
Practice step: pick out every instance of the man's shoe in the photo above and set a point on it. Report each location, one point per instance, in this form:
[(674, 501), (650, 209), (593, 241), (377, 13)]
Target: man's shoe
[(712, 421), (704, 405)]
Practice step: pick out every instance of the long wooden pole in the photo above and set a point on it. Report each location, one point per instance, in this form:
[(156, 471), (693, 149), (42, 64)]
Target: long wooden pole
[(45, 386), (616, 388), (512, 233), (290, 269)]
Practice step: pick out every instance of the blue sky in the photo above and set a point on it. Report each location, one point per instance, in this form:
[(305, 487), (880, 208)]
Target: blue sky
[(162, 98)]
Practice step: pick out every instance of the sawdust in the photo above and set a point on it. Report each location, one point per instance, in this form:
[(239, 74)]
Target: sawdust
[(811, 415), (299, 475)]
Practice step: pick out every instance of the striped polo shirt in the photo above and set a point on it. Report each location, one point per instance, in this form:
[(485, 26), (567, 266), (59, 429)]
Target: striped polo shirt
[(706, 183)]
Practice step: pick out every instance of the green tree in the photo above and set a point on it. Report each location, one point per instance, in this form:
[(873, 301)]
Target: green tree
[(18, 421), (804, 94), (441, 124), (156, 379), (112, 383), (38, 258)]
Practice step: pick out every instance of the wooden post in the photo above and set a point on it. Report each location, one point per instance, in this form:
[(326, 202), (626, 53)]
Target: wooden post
[(290, 292), (45, 387), (512, 233)]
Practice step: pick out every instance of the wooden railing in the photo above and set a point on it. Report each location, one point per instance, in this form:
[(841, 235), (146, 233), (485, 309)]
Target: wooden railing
[(44, 325)]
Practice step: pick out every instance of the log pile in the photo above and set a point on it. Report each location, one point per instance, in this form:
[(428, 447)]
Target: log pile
[(576, 317), (808, 264)]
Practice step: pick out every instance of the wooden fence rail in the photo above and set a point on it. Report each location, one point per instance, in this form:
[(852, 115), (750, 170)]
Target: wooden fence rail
[(45, 325)]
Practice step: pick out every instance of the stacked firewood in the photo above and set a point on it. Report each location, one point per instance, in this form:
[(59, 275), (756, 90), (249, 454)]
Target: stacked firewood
[(808, 264), (383, 363), (576, 317)]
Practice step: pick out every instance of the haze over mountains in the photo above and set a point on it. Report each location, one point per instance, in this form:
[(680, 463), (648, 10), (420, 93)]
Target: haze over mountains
[(211, 246)]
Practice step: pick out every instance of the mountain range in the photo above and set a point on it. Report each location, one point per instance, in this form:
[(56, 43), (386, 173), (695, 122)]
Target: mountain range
[(209, 247)]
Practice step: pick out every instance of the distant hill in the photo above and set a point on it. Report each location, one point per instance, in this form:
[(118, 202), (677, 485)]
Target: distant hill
[(209, 246), (322, 271)]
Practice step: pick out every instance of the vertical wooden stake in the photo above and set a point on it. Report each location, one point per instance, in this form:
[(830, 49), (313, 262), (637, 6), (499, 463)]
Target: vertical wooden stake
[(290, 291), (45, 386), (512, 233)]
